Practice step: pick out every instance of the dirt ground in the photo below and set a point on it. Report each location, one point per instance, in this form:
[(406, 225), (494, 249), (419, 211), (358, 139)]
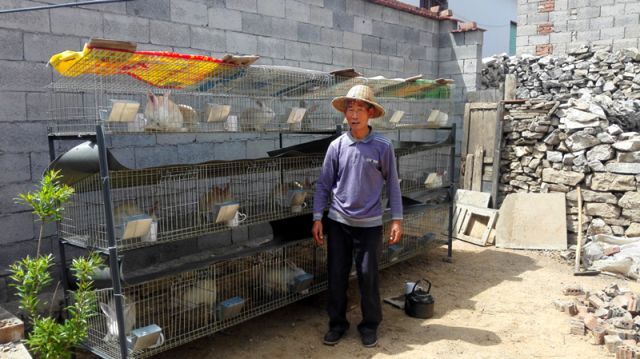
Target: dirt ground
[(490, 303)]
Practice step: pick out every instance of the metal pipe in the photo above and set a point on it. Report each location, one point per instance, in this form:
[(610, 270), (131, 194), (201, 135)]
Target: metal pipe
[(46, 7), (113, 250), (452, 160)]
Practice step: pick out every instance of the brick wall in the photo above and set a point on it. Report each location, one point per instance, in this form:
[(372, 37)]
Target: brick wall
[(554, 26), (314, 34)]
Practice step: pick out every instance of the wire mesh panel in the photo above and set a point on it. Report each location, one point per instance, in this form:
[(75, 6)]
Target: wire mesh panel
[(199, 302), (423, 168), (181, 202)]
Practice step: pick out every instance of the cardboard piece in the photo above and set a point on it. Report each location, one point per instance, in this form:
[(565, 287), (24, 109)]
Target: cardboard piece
[(217, 113), (123, 111), (532, 221)]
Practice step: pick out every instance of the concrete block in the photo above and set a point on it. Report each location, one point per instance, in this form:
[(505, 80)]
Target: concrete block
[(39, 164), (271, 7), (355, 7), (229, 151), (352, 41), (256, 24), (429, 68), (16, 227), (344, 22), (126, 28), (331, 37), (297, 50), (626, 20), (588, 12), (175, 138), (471, 66), (588, 35), (418, 53), (451, 67), (362, 25), (258, 148), (467, 52), (390, 15), (321, 53), (362, 59), (388, 47), (36, 21), (532, 221), (601, 22), (178, 35), (411, 35), (380, 62), (308, 33), (196, 152), (284, 28), (337, 5), (612, 10), (613, 33), (371, 44), (19, 137), (8, 195), (225, 19), (538, 40), (427, 39), (241, 43), (342, 57), (189, 12), (208, 39), (296, 10), (12, 106), (79, 22), (396, 63), (311, 65), (151, 9), (625, 43), (243, 5), (473, 38), (561, 37), (411, 66), (271, 47), (321, 16), (11, 45), (374, 11), (18, 163), (124, 155), (11, 328)]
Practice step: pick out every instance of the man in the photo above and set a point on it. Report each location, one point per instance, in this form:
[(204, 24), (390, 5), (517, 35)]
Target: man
[(355, 168)]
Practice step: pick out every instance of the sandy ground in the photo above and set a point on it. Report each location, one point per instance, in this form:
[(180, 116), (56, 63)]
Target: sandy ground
[(490, 303)]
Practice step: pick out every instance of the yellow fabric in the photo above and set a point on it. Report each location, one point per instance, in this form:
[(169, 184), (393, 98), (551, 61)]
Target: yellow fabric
[(63, 61)]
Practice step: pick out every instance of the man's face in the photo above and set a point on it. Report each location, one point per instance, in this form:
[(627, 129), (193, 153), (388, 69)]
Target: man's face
[(358, 114)]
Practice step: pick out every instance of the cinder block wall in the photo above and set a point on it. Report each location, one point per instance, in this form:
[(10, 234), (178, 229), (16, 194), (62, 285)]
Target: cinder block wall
[(314, 34), (554, 26)]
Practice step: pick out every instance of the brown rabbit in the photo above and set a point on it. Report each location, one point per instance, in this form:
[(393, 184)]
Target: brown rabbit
[(215, 195)]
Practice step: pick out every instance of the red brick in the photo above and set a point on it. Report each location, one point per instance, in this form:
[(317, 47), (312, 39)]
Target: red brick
[(611, 250), (446, 13), (597, 335), (545, 28), (11, 330), (547, 5), (595, 301), (544, 49), (590, 321), (467, 26)]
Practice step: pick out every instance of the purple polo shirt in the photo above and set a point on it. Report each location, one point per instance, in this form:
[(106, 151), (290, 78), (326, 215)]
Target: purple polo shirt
[(353, 173)]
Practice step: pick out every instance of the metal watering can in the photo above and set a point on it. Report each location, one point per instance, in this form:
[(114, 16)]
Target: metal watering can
[(419, 303)]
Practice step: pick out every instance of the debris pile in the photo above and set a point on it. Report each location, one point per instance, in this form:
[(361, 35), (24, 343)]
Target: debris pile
[(611, 317)]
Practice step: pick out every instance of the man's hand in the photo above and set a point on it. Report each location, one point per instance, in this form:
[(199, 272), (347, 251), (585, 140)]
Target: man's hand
[(396, 232), (318, 236)]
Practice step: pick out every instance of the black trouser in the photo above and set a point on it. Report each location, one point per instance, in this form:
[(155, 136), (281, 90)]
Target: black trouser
[(344, 243)]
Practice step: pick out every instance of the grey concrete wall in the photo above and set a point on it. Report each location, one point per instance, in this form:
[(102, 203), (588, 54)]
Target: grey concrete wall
[(565, 24), (315, 34)]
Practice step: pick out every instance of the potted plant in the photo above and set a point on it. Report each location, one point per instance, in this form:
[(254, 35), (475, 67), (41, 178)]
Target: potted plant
[(49, 338)]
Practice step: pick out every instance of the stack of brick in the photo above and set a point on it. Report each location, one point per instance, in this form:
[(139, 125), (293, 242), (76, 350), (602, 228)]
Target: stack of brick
[(610, 317)]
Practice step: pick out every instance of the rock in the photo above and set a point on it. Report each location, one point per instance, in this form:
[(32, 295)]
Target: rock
[(580, 141), (626, 168), (630, 200), (521, 151), (617, 221), (633, 230), (562, 177), (632, 214), (604, 137), (553, 138), (604, 210), (617, 230), (575, 119), (534, 163), (628, 156), (600, 153), (592, 196), (612, 182), (568, 158), (554, 156), (598, 226), (627, 146), (596, 166)]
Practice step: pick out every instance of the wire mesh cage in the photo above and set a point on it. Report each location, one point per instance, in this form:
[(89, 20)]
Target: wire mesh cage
[(199, 302), (166, 204), (423, 168), (147, 91)]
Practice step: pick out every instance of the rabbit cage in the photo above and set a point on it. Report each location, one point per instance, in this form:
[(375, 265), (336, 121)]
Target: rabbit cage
[(114, 93)]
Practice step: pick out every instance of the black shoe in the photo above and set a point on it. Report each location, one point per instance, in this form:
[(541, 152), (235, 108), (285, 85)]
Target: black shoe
[(332, 337), (369, 340)]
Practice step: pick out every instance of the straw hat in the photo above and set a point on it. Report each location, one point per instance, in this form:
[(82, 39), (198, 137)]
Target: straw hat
[(362, 93)]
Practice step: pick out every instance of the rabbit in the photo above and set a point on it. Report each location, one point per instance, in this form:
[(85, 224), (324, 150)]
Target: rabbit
[(203, 291), (112, 322), (279, 280), (124, 211), (282, 191), (215, 195), (256, 118), (162, 113)]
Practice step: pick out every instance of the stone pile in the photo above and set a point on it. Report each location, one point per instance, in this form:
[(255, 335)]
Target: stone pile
[(610, 80), (611, 317), (549, 146)]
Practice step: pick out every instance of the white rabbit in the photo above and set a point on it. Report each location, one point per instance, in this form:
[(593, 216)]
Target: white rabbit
[(256, 118), (279, 280), (112, 322), (202, 292), (162, 113)]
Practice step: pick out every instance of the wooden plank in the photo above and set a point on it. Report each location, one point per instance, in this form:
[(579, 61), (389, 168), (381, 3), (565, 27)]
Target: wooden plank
[(476, 182), (510, 87), (468, 171), (496, 155), (475, 225), (465, 130), (481, 130), (483, 106)]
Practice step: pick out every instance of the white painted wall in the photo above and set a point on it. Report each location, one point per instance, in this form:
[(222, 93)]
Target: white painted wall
[(494, 16)]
